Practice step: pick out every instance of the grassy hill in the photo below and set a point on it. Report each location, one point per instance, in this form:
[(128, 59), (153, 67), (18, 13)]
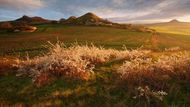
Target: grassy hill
[(174, 27), (89, 29), (86, 19), (105, 36), (32, 20)]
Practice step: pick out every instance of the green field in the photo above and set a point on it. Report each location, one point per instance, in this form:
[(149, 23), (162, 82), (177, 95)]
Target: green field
[(104, 36), (181, 28), (15, 43), (105, 88), (103, 91)]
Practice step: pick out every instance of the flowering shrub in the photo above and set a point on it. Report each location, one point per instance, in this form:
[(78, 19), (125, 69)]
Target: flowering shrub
[(172, 64), (73, 62), (173, 49), (156, 71), (58, 62), (149, 95), (78, 62)]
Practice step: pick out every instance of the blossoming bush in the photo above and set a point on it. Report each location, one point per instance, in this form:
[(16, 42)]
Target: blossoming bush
[(173, 49), (155, 76), (145, 93), (76, 62), (156, 71)]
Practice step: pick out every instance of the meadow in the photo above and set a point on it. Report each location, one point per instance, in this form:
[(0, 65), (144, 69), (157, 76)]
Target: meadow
[(105, 36), (94, 66), (173, 27), (22, 42)]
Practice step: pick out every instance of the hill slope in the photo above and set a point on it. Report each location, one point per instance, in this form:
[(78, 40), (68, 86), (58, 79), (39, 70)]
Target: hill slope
[(174, 26), (91, 18), (104, 36), (86, 19), (32, 20)]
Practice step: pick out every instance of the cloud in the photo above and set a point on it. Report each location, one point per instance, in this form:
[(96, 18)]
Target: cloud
[(163, 10), (12, 9), (105, 8), (115, 10), (21, 5), (118, 2)]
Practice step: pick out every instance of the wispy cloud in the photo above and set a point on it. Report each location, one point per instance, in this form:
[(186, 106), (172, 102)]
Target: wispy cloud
[(163, 10), (21, 5), (118, 2), (115, 10)]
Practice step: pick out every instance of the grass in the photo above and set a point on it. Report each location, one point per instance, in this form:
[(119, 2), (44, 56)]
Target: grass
[(106, 88), (181, 28), (167, 40), (170, 34), (102, 91), (171, 29), (20, 43), (106, 36)]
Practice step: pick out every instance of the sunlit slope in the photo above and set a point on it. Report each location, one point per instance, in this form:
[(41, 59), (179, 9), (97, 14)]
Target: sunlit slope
[(174, 27), (100, 36), (104, 36), (168, 40)]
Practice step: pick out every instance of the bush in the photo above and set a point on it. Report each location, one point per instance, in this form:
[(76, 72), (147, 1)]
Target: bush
[(155, 72), (76, 62)]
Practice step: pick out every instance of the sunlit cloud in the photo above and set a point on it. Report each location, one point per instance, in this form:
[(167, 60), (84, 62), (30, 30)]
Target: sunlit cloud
[(185, 18), (162, 11), (21, 5), (115, 10), (118, 2)]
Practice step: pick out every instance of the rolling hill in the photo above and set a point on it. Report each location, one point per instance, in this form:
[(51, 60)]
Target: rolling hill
[(91, 28), (23, 24), (86, 19), (174, 27), (32, 20), (91, 18)]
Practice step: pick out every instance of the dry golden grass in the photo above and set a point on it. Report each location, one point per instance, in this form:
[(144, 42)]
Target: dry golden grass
[(76, 62), (6, 65)]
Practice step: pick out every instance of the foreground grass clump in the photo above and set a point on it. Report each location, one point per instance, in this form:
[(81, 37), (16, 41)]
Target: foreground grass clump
[(157, 70), (157, 74), (89, 76), (75, 62)]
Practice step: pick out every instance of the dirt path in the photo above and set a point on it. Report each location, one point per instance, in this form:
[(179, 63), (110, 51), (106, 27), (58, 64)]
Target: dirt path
[(154, 40)]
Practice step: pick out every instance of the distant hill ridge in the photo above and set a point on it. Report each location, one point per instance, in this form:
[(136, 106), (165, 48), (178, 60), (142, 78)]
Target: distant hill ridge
[(174, 21), (32, 20), (91, 18), (174, 26), (88, 19)]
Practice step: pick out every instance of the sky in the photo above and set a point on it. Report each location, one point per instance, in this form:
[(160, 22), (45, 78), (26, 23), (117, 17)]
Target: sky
[(133, 11)]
